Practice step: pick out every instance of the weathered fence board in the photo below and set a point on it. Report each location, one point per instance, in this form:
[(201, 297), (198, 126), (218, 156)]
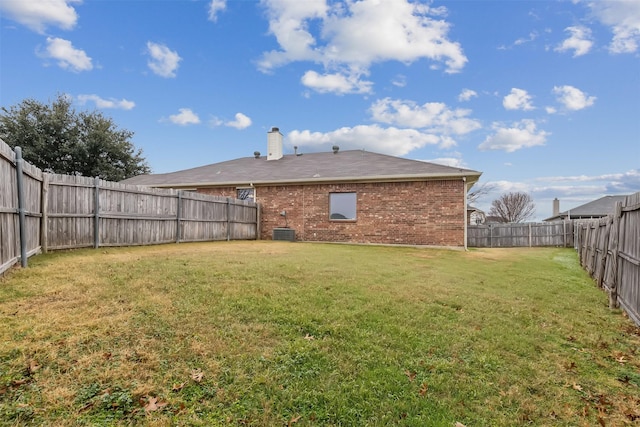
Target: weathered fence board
[(520, 234), (628, 266), (65, 211), (9, 248)]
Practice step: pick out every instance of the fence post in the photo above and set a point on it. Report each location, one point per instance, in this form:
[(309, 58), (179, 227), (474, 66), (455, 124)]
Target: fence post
[(615, 229), (44, 219), (258, 219), (21, 213), (530, 238), (228, 219), (490, 236), (96, 212), (178, 222)]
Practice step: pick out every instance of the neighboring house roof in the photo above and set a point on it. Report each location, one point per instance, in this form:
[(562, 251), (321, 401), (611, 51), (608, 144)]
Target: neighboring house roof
[(343, 166), (473, 208), (595, 209)]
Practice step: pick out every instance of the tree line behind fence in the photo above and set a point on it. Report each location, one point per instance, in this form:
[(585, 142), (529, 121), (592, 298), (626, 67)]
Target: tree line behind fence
[(41, 211)]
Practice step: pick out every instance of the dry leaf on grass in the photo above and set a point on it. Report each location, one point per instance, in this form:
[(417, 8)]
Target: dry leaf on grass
[(153, 404), (309, 337), (178, 387), (620, 357), (460, 425), (197, 375), (294, 420), (423, 389), (33, 366), (18, 383), (410, 375)]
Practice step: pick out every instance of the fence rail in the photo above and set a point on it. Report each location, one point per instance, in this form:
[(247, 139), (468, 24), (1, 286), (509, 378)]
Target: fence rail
[(519, 235), (41, 211)]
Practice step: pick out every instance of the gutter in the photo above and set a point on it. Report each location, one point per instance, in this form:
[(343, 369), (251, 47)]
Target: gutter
[(354, 179)]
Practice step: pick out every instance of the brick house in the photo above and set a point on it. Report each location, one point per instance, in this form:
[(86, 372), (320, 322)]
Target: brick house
[(339, 196)]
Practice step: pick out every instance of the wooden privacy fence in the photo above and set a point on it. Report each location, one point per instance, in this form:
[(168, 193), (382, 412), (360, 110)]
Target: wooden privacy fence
[(609, 250), (41, 211), (518, 235)]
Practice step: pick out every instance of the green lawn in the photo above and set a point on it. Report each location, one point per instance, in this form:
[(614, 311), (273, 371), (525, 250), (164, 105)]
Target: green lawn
[(276, 334)]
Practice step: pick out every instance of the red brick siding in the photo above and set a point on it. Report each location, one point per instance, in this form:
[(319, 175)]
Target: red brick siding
[(416, 213)]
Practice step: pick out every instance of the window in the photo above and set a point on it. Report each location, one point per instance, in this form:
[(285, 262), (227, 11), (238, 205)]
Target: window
[(342, 206), (246, 194)]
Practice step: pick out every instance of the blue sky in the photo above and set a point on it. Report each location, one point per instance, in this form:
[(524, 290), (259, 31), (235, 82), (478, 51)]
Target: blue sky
[(541, 96)]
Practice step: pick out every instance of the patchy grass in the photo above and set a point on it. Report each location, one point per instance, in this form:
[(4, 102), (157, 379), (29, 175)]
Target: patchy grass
[(273, 333)]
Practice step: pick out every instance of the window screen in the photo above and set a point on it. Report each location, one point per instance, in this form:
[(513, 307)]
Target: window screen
[(342, 206)]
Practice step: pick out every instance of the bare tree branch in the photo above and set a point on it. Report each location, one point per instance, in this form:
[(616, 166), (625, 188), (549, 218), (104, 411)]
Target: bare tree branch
[(513, 207), (478, 191)]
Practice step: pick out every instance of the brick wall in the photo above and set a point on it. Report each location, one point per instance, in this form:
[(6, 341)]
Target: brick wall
[(416, 213)]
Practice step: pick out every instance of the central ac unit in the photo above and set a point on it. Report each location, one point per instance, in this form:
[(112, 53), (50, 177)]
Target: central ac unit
[(287, 234)]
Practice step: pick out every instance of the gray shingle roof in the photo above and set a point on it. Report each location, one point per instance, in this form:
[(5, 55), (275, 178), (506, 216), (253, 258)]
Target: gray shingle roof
[(595, 209), (350, 165)]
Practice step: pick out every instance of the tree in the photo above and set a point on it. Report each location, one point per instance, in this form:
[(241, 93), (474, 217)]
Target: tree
[(56, 139), (513, 207), (479, 190)]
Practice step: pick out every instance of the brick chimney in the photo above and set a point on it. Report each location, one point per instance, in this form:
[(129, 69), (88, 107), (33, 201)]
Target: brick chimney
[(556, 207), (274, 144)]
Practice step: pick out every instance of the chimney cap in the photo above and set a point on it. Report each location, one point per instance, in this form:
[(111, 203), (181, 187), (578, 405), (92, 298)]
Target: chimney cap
[(335, 149), (275, 129)]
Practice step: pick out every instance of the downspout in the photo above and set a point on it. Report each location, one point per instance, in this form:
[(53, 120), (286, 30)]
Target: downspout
[(464, 197)]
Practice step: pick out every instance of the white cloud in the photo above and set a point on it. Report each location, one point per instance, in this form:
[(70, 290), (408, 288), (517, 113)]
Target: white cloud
[(184, 117), (356, 34), (68, 57), (164, 61), (400, 80), (579, 41), (518, 99), (508, 187), (532, 36), (241, 122), (623, 16), (122, 104), (454, 162), (467, 94), (632, 178), (336, 83), (216, 6), (391, 140), (288, 22), (572, 98), (434, 117), (37, 15), (522, 134)]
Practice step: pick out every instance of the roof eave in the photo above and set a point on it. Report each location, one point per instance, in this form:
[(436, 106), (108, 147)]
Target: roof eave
[(471, 178)]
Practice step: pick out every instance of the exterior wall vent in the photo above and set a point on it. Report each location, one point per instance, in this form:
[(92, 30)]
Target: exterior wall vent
[(286, 234)]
